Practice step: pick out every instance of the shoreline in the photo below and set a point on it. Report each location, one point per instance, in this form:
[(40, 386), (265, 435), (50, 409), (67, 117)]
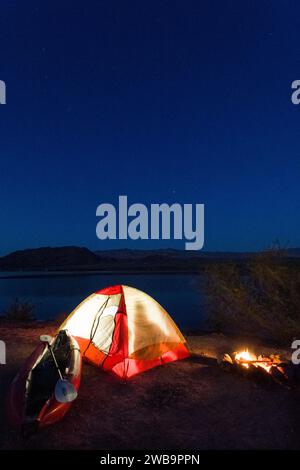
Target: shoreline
[(204, 342)]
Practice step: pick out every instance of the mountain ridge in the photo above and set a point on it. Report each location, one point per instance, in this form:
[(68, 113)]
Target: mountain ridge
[(75, 257)]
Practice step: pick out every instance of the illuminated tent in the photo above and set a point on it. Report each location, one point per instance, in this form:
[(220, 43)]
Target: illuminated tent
[(124, 330)]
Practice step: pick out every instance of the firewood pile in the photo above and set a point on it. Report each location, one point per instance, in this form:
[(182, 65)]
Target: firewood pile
[(266, 369)]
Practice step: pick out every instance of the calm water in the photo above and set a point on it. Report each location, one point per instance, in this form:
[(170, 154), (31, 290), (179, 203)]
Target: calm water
[(53, 294)]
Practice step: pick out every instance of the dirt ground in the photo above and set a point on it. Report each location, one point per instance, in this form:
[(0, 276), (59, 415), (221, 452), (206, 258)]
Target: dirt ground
[(190, 404)]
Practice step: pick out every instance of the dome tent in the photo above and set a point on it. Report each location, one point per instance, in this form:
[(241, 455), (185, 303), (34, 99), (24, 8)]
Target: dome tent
[(123, 330)]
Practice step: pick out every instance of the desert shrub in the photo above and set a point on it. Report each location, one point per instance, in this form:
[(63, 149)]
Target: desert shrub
[(19, 312), (260, 297)]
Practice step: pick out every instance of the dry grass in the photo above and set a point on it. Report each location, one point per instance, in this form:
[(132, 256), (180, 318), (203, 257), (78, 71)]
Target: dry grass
[(261, 298), (19, 312)]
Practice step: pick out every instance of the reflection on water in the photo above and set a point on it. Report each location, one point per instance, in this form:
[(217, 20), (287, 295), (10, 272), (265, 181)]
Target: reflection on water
[(53, 294)]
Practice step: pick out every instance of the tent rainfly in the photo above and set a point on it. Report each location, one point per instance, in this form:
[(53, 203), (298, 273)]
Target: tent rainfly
[(125, 331)]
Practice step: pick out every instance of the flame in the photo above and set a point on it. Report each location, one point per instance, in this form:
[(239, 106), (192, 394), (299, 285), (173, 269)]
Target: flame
[(245, 356), (250, 357)]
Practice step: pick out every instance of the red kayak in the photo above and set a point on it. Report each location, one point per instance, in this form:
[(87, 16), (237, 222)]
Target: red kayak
[(31, 401)]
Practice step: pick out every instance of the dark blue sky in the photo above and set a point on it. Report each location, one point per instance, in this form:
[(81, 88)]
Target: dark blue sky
[(164, 101)]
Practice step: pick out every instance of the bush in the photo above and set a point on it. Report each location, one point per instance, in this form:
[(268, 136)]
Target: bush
[(19, 312), (260, 297)]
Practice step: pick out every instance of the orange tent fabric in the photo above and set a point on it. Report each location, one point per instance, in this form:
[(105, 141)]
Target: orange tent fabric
[(125, 331)]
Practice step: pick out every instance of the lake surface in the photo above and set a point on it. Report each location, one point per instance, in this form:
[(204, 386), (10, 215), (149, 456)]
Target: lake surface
[(55, 293)]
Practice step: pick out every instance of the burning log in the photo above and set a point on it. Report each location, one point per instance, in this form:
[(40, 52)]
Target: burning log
[(263, 368)]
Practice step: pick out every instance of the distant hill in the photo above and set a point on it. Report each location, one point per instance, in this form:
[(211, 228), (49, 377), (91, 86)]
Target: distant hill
[(49, 258), (171, 253), (77, 258), (72, 258)]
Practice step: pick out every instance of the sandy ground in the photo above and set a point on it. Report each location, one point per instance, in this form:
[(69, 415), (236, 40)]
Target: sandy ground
[(190, 404)]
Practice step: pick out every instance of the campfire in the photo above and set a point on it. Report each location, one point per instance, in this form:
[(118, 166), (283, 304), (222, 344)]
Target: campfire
[(245, 358), (266, 368)]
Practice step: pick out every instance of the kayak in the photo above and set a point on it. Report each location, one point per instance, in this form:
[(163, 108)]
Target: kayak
[(31, 402)]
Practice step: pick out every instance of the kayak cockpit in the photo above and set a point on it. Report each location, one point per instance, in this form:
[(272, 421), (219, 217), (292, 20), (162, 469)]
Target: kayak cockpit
[(44, 375)]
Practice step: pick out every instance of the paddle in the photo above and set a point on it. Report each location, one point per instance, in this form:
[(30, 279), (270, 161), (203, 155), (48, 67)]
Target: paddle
[(64, 392)]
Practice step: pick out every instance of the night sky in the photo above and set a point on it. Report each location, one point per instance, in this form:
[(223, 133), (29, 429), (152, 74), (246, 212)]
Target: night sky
[(163, 101)]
